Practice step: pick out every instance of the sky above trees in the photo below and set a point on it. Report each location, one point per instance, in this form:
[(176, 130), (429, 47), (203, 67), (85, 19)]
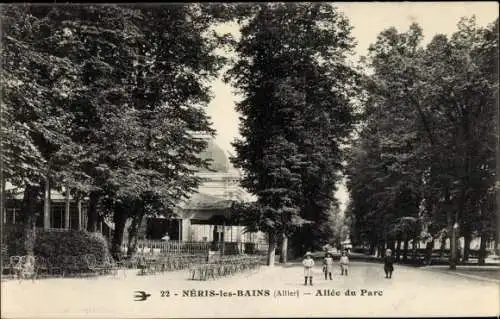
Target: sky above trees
[(368, 20)]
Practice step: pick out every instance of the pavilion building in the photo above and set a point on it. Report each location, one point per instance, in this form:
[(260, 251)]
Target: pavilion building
[(204, 217)]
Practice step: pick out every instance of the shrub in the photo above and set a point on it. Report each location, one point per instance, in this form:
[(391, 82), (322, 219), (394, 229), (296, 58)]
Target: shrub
[(50, 244), (249, 248), (12, 241)]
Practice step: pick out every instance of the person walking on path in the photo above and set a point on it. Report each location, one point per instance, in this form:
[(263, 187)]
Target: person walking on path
[(344, 263), (308, 263), (328, 265), (388, 263)]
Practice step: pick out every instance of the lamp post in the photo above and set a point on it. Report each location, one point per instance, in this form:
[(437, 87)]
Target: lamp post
[(453, 246)]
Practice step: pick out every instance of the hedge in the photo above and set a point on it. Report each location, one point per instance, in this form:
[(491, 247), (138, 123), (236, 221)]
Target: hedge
[(50, 244), (74, 243)]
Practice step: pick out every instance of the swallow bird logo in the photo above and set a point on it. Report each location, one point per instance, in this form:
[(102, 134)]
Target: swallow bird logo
[(141, 296)]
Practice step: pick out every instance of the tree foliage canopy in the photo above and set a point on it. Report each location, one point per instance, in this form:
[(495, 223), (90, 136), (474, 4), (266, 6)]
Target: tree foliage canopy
[(296, 111), (425, 157), (108, 99)]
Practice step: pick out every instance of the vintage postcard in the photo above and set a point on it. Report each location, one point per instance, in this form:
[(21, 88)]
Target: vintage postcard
[(247, 160)]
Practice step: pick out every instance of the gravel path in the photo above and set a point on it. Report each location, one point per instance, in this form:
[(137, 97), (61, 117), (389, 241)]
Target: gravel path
[(411, 292)]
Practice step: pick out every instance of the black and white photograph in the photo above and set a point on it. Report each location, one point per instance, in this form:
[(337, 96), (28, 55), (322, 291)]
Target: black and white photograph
[(249, 160)]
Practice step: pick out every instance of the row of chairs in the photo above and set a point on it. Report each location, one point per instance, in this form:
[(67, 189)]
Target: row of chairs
[(22, 267), (225, 267), (155, 264)]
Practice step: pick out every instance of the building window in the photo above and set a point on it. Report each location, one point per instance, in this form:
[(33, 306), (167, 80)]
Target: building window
[(57, 216)]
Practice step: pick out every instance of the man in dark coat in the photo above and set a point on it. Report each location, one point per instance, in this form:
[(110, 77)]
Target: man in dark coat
[(388, 263)]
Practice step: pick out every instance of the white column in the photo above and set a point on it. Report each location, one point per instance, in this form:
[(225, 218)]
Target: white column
[(179, 225), (67, 210), (80, 219), (46, 205), (186, 224)]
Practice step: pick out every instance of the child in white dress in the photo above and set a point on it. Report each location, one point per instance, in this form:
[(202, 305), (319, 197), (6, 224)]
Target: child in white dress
[(328, 265), (344, 263), (308, 263)]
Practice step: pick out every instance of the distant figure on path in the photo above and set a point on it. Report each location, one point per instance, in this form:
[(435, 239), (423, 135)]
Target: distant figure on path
[(328, 265), (308, 266), (428, 252), (388, 263), (344, 263)]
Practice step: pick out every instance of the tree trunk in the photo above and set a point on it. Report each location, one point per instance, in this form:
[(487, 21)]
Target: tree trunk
[(405, 250), (441, 248), (2, 197), (92, 215), (284, 248), (271, 251), (372, 248), (119, 218), (133, 232), (46, 205), (497, 183), (428, 252), (415, 245), (29, 217), (143, 228), (392, 246), (497, 252), (467, 240), (449, 231), (482, 250), (381, 247), (398, 250)]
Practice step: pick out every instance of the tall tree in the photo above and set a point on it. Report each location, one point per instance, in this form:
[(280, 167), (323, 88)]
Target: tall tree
[(38, 89), (115, 115), (427, 135), (292, 72)]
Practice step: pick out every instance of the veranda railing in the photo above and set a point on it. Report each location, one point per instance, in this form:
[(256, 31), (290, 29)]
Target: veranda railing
[(184, 247)]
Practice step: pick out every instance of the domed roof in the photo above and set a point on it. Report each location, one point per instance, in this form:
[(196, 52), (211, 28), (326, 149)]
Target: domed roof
[(219, 161)]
